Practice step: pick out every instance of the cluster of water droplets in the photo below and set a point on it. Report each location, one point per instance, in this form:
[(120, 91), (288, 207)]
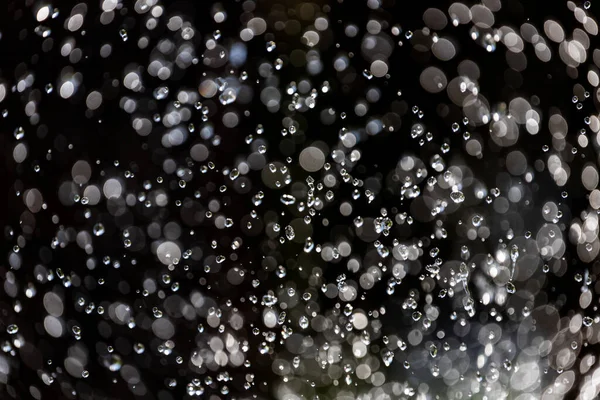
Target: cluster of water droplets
[(287, 218)]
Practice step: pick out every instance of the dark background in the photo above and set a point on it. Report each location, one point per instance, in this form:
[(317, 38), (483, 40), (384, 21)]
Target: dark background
[(67, 122)]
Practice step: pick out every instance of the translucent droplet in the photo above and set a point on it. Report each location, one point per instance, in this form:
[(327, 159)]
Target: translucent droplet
[(457, 197)]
